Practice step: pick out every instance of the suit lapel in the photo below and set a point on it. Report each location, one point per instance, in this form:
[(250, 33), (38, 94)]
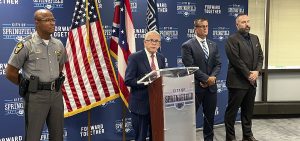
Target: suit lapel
[(210, 48), (145, 61), (254, 46), (246, 46), (198, 48), (158, 61), (196, 43)]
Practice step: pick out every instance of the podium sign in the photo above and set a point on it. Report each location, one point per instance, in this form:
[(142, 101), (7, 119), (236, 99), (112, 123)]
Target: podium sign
[(172, 103), (179, 108)]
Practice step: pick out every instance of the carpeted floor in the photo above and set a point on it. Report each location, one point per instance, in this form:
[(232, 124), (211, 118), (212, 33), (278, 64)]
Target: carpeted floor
[(280, 129)]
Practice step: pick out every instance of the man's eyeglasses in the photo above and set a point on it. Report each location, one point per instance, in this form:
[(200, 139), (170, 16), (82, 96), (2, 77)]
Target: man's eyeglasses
[(153, 41), (202, 26), (47, 20)]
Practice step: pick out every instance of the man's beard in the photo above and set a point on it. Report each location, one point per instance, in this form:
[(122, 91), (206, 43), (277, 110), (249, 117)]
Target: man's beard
[(244, 30)]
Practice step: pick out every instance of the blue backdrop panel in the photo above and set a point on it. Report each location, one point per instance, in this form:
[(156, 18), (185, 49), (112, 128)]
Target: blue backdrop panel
[(176, 26)]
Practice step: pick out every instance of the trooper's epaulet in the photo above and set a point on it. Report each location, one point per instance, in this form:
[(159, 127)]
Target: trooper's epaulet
[(20, 45)]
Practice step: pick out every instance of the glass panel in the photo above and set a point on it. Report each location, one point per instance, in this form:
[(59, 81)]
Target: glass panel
[(168, 72), (284, 34), (256, 12)]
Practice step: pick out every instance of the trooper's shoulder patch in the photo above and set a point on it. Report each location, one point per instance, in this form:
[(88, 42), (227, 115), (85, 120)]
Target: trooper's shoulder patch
[(19, 46)]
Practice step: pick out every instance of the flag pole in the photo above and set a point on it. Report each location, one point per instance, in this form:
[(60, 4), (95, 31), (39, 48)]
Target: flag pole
[(89, 125), (122, 17), (87, 23), (123, 120)]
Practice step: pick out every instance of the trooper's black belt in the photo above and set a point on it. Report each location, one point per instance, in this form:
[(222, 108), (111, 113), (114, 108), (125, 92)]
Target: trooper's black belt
[(47, 86)]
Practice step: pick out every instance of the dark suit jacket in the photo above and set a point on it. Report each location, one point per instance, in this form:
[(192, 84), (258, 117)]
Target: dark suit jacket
[(138, 66), (193, 56), (243, 58)]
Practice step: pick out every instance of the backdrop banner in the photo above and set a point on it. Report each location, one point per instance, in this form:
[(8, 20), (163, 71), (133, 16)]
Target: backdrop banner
[(175, 25)]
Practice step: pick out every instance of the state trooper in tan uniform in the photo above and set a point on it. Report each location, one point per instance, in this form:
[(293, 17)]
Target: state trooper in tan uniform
[(41, 58)]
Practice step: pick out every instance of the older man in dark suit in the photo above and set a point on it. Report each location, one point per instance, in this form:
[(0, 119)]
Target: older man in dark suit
[(139, 64), (245, 62), (203, 53)]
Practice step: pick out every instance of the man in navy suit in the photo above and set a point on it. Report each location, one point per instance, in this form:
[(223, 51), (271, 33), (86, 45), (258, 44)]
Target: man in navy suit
[(245, 62), (139, 64), (203, 53)]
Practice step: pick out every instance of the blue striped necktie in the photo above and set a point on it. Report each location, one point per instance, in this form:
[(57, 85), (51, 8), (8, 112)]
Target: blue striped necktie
[(205, 49)]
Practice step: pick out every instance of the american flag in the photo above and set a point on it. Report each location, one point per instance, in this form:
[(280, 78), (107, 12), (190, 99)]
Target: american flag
[(152, 16), (90, 79), (122, 42)]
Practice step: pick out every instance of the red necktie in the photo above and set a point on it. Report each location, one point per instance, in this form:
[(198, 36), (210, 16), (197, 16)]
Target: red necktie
[(153, 67)]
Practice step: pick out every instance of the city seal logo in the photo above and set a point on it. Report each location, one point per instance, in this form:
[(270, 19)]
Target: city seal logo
[(235, 9), (169, 33), (14, 107), (186, 8), (19, 46), (48, 4), (179, 106), (16, 31)]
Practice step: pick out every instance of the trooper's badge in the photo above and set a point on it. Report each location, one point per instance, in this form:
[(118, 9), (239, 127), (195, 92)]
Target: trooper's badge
[(19, 46), (58, 54)]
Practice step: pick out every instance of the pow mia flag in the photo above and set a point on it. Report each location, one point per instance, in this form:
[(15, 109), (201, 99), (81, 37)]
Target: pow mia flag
[(152, 16)]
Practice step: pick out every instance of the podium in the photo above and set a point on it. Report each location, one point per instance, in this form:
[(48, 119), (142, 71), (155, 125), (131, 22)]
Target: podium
[(172, 103)]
